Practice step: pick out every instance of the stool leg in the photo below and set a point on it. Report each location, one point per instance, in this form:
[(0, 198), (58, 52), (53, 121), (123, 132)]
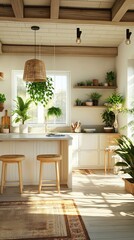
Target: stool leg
[(20, 176), (40, 178), (105, 161), (3, 176), (109, 154), (57, 176)]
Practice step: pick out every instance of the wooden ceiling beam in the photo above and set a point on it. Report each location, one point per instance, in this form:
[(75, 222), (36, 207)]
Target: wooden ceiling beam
[(69, 15), (62, 50), (120, 8), (17, 6), (54, 9)]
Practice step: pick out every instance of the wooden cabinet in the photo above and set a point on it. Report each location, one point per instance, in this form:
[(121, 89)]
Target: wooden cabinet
[(88, 149)]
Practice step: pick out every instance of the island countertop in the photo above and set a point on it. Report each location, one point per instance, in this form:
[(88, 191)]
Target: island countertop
[(31, 136), (31, 145)]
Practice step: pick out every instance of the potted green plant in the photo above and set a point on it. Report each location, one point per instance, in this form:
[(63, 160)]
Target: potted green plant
[(108, 118), (111, 78), (2, 100), (52, 112), (126, 151), (78, 102), (115, 103), (40, 92), (21, 113), (95, 96)]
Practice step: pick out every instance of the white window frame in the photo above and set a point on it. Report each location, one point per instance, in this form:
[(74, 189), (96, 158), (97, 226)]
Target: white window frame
[(16, 73)]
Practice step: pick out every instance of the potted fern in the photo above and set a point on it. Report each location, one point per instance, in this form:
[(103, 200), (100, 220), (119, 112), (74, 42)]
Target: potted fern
[(21, 113), (126, 151), (52, 112)]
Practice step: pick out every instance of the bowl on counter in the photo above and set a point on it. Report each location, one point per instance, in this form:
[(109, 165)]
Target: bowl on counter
[(89, 130)]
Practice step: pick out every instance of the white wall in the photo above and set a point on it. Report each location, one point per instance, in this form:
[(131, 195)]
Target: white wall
[(125, 54), (81, 69)]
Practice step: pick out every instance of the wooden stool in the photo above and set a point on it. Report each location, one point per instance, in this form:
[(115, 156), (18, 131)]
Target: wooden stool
[(13, 158), (109, 151), (49, 158)]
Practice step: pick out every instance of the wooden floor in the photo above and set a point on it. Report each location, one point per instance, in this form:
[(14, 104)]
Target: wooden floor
[(107, 210)]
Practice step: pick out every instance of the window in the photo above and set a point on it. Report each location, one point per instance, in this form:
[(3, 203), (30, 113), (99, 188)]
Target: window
[(61, 82)]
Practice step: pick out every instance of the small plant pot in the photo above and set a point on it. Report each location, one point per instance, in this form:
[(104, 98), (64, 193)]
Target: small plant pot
[(108, 129), (5, 130), (95, 102), (1, 106), (23, 128), (95, 82)]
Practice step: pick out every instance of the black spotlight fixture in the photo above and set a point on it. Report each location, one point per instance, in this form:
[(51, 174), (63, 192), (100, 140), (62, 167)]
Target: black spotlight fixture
[(128, 35), (78, 32)]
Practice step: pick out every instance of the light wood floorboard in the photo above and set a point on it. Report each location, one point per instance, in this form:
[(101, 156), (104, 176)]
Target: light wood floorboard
[(107, 210)]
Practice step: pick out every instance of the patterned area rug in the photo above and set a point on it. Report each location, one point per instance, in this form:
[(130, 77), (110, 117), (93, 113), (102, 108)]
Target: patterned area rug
[(83, 171), (41, 220)]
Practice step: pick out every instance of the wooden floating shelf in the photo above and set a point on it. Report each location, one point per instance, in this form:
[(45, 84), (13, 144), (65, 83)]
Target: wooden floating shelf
[(96, 87), (90, 106)]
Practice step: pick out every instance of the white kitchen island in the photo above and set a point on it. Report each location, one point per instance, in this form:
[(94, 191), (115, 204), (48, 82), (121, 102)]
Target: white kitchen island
[(33, 144)]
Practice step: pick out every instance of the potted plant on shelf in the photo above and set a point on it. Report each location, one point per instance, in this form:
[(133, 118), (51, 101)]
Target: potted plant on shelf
[(108, 118), (78, 102), (111, 78), (115, 103), (95, 96), (21, 113), (2, 100), (126, 151)]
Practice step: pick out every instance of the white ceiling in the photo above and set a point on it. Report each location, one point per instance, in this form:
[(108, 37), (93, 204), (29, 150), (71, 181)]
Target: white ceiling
[(107, 34)]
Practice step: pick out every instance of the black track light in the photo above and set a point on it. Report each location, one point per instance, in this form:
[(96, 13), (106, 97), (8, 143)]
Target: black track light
[(128, 35), (78, 33)]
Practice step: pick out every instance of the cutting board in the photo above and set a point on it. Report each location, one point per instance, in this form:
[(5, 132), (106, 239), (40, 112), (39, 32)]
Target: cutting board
[(5, 121)]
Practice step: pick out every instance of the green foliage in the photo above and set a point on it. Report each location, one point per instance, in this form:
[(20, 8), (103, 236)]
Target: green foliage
[(21, 110), (95, 96), (110, 77), (108, 118), (40, 92), (126, 152), (54, 111), (115, 102), (115, 98), (78, 102), (2, 97)]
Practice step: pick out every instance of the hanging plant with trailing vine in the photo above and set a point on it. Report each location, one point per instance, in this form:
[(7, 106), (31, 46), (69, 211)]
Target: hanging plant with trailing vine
[(40, 92)]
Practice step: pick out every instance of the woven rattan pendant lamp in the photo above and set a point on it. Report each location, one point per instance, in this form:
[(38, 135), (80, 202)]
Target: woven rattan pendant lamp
[(34, 70)]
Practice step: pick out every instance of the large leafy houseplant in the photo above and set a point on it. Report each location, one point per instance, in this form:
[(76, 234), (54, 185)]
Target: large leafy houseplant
[(40, 92), (126, 151), (21, 111)]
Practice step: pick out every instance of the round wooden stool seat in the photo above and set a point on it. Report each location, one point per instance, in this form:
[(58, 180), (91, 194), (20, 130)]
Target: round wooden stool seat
[(49, 158), (11, 158)]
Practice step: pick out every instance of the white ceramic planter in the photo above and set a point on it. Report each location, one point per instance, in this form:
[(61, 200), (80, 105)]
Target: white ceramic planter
[(23, 128)]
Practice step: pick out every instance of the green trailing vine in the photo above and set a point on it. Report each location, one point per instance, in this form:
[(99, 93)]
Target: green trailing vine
[(54, 111), (40, 92)]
